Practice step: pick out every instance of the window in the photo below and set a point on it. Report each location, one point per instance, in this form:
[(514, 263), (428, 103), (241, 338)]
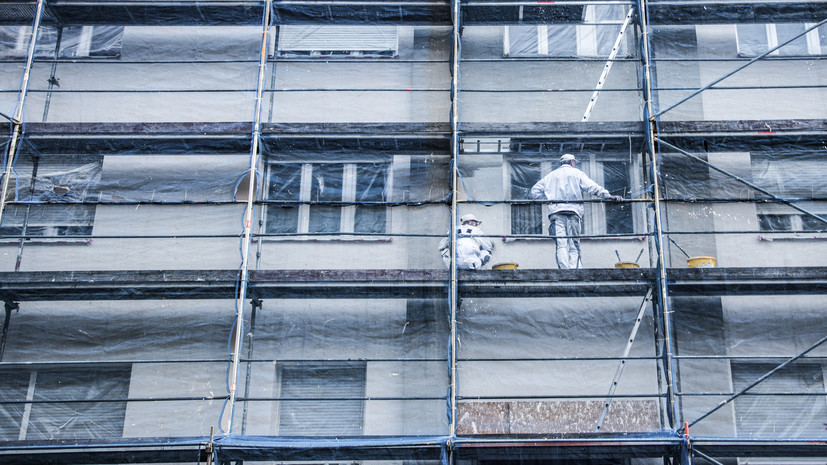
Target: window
[(91, 42), (14, 41), (75, 41), (56, 185), (790, 175), (337, 41), (775, 222), (525, 219), (600, 218), (36, 416), (797, 177), (617, 179), (594, 38), (335, 183), (782, 414), (755, 39), (791, 222), (334, 394)]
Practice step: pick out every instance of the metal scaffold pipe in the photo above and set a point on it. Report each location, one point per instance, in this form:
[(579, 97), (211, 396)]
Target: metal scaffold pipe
[(238, 332), (663, 292), (17, 118), (456, 50)]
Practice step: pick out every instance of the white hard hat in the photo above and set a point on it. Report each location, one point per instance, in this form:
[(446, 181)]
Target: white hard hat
[(468, 217), (567, 157)]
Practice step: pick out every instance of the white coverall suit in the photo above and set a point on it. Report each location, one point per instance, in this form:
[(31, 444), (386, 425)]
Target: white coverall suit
[(473, 250), (562, 185)]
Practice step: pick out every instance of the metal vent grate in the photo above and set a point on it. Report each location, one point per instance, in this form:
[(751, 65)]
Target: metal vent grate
[(338, 40)]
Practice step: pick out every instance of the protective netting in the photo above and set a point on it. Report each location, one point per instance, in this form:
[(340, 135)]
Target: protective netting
[(336, 225)]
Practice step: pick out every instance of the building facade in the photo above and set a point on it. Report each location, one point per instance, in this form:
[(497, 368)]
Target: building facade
[(221, 225)]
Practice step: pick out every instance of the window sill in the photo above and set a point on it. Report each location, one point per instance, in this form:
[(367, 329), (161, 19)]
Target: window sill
[(332, 238), (793, 237), (16, 242), (582, 238)]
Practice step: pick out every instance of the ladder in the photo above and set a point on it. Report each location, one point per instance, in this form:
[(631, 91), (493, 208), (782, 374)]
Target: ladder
[(608, 66)]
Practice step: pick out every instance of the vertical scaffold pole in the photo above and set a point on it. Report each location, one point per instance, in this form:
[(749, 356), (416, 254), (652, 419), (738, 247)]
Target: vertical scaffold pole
[(454, 302), (238, 334), (17, 118), (663, 293)]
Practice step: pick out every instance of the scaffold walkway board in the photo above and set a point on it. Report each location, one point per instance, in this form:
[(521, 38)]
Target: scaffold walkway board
[(231, 137), (188, 450), (359, 284), (240, 12)]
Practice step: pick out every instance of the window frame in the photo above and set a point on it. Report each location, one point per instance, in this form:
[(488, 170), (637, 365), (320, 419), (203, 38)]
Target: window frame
[(112, 374), (594, 220), (347, 217), (52, 42), (339, 47), (587, 35), (812, 40), (52, 189), (795, 222), (759, 369), (354, 366)]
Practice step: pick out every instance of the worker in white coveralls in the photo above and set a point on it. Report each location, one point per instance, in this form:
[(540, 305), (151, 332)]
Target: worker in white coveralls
[(473, 248), (564, 187)]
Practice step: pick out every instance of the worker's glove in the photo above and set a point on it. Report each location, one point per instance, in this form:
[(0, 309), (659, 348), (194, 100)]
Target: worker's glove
[(616, 198)]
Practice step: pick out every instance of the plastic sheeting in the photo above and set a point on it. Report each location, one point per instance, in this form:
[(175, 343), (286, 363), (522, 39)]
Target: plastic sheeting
[(134, 158)]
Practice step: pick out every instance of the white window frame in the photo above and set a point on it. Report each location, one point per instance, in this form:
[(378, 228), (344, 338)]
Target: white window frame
[(85, 36), (813, 40), (586, 36), (347, 218), (771, 31), (33, 373), (596, 212), (796, 223), (22, 38), (594, 221), (22, 180)]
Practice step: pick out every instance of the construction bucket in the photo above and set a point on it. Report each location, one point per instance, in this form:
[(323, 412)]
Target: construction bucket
[(702, 262)]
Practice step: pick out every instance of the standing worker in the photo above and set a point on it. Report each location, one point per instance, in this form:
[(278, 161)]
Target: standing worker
[(473, 248), (564, 187)]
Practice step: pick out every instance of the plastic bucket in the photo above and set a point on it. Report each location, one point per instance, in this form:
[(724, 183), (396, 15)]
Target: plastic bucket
[(702, 262), (504, 266), (626, 265)]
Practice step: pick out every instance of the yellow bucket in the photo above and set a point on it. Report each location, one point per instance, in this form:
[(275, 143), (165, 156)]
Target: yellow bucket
[(626, 265), (504, 266), (702, 262)]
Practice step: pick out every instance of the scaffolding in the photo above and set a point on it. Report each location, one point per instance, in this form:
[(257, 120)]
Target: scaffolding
[(219, 232)]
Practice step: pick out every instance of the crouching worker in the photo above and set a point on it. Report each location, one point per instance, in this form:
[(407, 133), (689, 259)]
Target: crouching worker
[(473, 248)]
